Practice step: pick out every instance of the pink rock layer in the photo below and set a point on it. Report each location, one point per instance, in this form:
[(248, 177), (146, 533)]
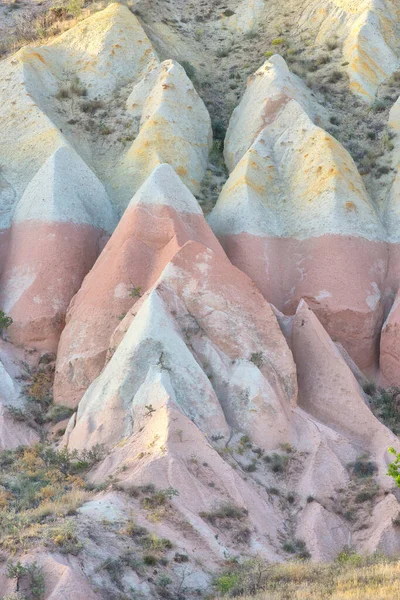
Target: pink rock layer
[(389, 359), (44, 268), (145, 240), (4, 239), (342, 279)]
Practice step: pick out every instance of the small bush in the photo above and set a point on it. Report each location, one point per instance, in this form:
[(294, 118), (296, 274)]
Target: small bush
[(226, 511), (65, 539), (278, 41), (242, 536), (189, 69), (150, 560), (222, 52), (379, 106), (225, 583), (58, 413), (335, 76), (363, 468), (31, 576), (159, 497), (5, 321), (297, 547), (257, 359), (365, 496), (74, 7), (91, 106), (181, 558), (277, 463), (134, 531), (385, 404), (63, 93), (332, 45), (396, 520)]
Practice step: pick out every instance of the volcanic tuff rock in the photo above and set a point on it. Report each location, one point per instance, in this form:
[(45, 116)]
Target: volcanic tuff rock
[(367, 30), (161, 217), (295, 197), (220, 363), (175, 128), (59, 227)]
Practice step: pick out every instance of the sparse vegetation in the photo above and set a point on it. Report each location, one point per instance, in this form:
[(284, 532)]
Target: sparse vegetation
[(189, 69), (385, 404), (225, 512), (5, 321), (351, 576), (278, 463), (30, 577), (135, 292), (39, 487), (394, 467), (257, 359)]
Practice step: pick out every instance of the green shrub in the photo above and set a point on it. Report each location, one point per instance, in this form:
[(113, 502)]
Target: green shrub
[(150, 560), (158, 497), (225, 583), (226, 511), (276, 462), (189, 69), (31, 576), (394, 467), (363, 468), (385, 404), (5, 321), (74, 7)]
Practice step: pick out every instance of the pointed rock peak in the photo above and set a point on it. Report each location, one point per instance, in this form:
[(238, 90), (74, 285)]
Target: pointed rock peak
[(174, 98), (296, 181), (106, 50), (321, 368), (172, 70), (165, 187), (152, 342), (166, 78), (268, 91), (66, 190)]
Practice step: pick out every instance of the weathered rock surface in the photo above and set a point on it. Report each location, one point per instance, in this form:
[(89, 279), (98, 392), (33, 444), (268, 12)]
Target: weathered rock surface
[(295, 198), (59, 227), (12, 432), (175, 128), (366, 31), (161, 217), (185, 337), (63, 576), (330, 392), (203, 393)]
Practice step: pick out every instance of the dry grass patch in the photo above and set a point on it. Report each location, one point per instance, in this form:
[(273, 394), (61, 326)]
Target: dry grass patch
[(351, 577)]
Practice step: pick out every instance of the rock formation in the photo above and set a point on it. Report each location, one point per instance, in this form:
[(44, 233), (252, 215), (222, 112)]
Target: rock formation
[(295, 198), (59, 227), (181, 390), (130, 263)]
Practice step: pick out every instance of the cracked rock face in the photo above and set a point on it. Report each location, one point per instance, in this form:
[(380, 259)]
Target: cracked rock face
[(219, 362)]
